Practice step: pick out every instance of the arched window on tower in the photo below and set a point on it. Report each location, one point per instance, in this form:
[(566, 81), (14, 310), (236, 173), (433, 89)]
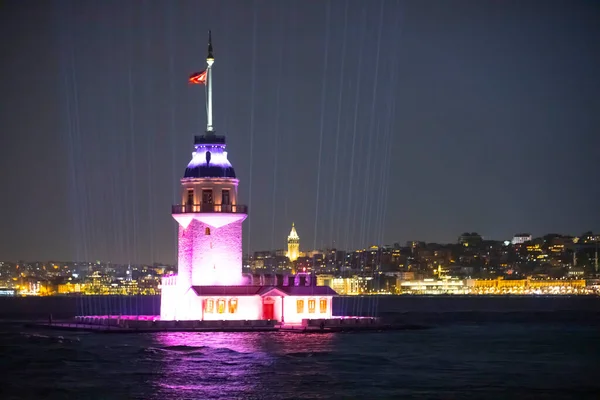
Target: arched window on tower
[(207, 231)]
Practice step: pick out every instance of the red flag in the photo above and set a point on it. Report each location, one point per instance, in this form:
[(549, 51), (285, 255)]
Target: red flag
[(198, 78)]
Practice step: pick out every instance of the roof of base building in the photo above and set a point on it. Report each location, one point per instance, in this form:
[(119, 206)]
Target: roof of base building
[(260, 290)]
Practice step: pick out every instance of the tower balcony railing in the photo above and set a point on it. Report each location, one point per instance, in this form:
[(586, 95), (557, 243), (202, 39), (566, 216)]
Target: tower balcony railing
[(209, 208)]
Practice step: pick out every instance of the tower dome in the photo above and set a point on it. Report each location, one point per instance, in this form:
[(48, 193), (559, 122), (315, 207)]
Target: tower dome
[(209, 160)]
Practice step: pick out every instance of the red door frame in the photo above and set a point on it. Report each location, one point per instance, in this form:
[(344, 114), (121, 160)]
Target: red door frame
[(268, 310)]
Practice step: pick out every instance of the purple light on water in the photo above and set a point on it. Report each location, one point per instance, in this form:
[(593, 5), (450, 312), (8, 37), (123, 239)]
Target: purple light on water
[(232, 365), (215, 340), (213, 365)]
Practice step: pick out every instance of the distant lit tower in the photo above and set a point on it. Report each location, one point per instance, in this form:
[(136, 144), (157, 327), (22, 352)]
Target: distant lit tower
[(293, 242), (209, 216)]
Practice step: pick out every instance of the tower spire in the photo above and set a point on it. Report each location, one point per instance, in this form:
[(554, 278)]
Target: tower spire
[(210, 49), (209, 61)]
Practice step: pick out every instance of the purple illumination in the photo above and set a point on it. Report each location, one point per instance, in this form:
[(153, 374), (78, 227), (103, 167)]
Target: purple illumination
[(214, 259), (255, 344), (209, 365), (220, 219), (168, 298), (218, 157), (225, 365), (232, 341), (213, 220), (184, 261), (184, 220), (210, 249)]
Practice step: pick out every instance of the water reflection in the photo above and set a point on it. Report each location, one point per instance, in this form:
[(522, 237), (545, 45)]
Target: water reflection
[(234, 365)]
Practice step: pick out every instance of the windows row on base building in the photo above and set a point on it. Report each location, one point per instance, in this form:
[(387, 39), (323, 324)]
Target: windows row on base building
[(230, 306)]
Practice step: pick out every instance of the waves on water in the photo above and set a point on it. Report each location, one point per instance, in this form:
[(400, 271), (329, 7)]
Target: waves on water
[(465, 355)]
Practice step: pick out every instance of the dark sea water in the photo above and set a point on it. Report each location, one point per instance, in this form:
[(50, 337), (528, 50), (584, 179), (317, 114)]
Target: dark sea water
[(550, 352)]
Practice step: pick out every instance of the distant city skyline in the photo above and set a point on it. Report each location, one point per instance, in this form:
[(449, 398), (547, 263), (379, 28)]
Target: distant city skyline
[(516, 239), (377, 122)]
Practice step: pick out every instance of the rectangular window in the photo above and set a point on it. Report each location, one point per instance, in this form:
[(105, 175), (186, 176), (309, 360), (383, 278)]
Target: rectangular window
[(323, 306), (221, 306), (190, 197), (299, 306), (233, 303), (207, 201), (225, 200), (207, 196), (312, 305), (210, 306)]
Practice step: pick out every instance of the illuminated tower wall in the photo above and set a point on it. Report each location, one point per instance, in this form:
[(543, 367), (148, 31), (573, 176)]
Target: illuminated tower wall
[(293, 244), (210, 220), (209, 217)]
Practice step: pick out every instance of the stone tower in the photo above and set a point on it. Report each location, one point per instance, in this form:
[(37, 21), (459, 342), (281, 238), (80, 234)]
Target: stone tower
[(293, 242)]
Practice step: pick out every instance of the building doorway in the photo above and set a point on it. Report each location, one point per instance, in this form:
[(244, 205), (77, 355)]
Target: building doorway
[(268, 311)]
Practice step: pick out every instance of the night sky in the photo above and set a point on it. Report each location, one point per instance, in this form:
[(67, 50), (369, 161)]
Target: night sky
[(364, 122)]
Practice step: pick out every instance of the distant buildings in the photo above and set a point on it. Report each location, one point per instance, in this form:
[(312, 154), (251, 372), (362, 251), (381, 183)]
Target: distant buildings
[(470, 239), (552, 263), (521, 238), (80, 278), (526, 286)]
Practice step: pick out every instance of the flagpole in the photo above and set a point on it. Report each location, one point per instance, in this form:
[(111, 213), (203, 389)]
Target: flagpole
[(209, 61)]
